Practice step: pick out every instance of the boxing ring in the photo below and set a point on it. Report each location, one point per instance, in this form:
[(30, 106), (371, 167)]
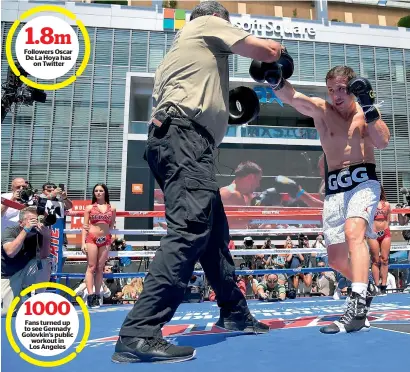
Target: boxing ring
[(294, 342)]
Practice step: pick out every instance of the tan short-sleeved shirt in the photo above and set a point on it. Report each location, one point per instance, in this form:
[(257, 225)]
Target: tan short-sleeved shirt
[(194, 75)]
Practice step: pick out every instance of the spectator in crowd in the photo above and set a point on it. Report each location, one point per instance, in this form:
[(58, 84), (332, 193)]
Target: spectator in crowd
[(320, 244), (326, 281), (52, 192), (9, 215), (342, 287), (133, 290), (404, 219), (114, 286), (294, 261), (271, 288), (248, 243), (24, 256), (121, 245), (196, 288), (81, 290), (248, 285), (231, 244), (391, 281), (99, 219)]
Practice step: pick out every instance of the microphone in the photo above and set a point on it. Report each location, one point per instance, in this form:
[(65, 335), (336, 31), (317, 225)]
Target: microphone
[(404, 191)]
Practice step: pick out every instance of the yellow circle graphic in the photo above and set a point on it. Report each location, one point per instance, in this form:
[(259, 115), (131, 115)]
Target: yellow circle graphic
[(65, 12), (58, 362)]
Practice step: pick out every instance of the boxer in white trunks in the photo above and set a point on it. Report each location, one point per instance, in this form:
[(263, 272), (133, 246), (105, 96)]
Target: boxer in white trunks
[(349, 131)]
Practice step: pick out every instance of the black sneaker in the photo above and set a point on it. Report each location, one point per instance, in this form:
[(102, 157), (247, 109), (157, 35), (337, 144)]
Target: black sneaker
[(150, 350), (96, 301), (353, 320), (93, 301), (90, 301), (237, 321)]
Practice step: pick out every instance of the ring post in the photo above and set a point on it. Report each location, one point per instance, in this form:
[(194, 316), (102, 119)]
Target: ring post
[(58, 254)]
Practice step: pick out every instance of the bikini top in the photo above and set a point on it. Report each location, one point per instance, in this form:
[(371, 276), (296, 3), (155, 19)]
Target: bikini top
[(382, 213), (96, 216)]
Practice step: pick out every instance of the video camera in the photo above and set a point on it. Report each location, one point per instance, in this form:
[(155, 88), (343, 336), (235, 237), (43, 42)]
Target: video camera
[(118, 245), (47, 215)]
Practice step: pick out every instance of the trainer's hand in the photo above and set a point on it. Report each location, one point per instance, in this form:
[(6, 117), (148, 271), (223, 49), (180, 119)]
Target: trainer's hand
[(84, 248), (362, 89), (267, 198), (285, 184)]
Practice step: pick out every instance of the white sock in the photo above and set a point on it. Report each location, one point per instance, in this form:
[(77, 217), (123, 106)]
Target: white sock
[(360, 288)]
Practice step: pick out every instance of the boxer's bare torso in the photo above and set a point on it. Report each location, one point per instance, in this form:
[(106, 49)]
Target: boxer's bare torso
[(345, 141), (231, 196)]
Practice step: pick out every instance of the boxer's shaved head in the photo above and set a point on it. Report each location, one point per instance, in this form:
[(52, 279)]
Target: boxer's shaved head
[(207, 8)]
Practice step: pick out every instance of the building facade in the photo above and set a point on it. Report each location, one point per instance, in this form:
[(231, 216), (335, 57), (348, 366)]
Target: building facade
[(80, 135)]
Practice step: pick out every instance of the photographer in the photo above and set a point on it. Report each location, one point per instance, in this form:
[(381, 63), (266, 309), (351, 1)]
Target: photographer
[(54, 193), (24, 256), (248, 244), (10, 216)]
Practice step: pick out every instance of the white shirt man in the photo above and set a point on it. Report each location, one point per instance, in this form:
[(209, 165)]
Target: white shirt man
[(10, 216), (391, 281)]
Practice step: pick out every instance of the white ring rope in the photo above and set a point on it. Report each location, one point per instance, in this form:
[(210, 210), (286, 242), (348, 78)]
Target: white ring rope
[(234, 252), (238, 232)]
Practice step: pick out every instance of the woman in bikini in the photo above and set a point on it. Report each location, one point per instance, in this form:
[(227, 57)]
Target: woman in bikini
[(99, 219), (380, 247)]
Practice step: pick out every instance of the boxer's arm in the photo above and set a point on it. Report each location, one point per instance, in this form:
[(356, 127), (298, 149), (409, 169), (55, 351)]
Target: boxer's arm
[(258, 49), (378, 133), (309, 106), (311, 201)]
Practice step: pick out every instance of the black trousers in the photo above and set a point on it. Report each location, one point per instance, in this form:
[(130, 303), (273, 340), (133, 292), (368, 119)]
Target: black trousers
[(181, 157)]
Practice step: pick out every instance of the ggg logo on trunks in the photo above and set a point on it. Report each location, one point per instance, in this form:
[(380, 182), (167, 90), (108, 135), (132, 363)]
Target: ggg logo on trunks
[(47, 47), (344, 178)]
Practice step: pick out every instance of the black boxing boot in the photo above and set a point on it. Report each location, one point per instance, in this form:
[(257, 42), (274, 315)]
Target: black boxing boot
[(353, 320), (238, 321)]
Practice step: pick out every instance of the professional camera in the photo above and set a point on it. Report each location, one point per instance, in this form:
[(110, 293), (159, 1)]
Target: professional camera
[(27, 195), (47, 214), (248, 241), (118, 245)]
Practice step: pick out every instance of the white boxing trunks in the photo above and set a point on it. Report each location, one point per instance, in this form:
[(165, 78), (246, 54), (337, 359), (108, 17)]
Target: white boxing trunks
[(359, 200)]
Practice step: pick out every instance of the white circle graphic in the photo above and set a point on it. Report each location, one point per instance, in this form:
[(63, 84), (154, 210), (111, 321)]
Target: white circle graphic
[(47, 47), (47, 324)]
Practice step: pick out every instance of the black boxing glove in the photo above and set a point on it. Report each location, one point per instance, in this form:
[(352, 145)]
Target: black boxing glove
[(274, 73), (285, 184), (362, 89), (267, 198), (269, 72)]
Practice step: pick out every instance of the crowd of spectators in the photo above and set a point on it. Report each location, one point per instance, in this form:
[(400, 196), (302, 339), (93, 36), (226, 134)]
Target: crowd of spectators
[(26, 260)]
